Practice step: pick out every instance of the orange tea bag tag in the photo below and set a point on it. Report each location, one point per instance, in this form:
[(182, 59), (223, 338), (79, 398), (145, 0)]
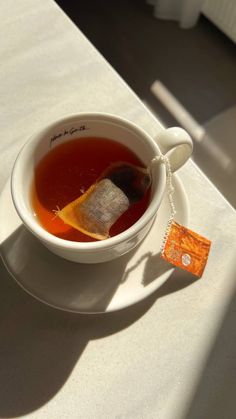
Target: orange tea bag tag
[(186, 249), (182, 247)]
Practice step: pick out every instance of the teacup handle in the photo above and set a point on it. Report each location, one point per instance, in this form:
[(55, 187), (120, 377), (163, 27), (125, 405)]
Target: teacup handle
[(177, 144)]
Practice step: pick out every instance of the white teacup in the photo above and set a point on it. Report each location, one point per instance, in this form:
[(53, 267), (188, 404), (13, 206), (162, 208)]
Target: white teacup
[(173, 141)]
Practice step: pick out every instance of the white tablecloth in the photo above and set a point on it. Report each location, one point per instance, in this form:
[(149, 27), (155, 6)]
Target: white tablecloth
[(172, 356)]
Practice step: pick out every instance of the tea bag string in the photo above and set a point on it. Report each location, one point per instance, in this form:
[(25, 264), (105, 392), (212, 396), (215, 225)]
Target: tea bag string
[(170, 192)]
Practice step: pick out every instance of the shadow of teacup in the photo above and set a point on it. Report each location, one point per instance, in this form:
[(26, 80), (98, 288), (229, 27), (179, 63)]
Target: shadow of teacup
[(155, 267), (58, 282)]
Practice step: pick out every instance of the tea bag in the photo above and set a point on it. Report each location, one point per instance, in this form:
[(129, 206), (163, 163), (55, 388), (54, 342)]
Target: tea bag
[(94, 212)]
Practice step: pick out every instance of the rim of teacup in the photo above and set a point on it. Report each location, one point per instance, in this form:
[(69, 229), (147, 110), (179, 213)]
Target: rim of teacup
[(31, 222)]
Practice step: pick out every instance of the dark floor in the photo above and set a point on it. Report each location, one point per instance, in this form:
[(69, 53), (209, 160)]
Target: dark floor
[(198, 66)]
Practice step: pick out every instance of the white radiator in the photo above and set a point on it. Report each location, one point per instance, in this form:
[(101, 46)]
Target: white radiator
[(223, 14)]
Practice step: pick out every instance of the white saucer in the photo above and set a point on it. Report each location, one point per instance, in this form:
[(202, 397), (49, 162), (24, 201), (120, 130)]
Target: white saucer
[(84, 288)]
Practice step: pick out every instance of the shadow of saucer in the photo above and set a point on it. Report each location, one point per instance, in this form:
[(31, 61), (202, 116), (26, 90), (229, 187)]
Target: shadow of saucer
[(58, 282), (39, 345)]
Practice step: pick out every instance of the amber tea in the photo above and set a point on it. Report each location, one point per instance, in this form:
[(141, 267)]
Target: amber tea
[(70, 169)]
